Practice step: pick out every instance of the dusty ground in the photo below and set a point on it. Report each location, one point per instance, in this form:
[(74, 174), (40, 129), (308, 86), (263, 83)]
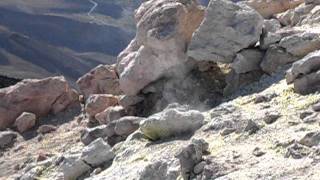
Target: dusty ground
[(233, 153), (30, 145)]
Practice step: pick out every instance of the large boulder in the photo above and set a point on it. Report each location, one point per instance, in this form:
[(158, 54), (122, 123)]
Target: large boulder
[(171, 122), (101, 80), (226, 29), (305, 73), (164, 28), (36, 96), (268, 8)]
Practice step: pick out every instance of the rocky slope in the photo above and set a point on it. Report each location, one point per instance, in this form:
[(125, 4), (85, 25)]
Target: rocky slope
[(224, 91)]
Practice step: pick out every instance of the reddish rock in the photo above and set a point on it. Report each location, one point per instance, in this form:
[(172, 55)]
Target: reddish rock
[(42, 156), (98, 102), (101, 80), (36, 96), (25, 121), (110, 114), (267, 8)]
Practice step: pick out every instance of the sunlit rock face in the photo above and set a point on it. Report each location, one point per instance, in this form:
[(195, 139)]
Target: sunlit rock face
[(226, 29), (164, 28)]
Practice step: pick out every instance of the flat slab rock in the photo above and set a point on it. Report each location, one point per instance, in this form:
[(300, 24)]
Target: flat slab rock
[(226, 29)]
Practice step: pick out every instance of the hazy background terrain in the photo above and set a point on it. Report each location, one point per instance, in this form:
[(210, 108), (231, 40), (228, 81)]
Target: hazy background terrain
[(40, 38)]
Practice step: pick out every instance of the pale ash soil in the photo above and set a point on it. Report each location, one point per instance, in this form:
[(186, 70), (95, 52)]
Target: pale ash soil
[(233, 153), (26, 151)]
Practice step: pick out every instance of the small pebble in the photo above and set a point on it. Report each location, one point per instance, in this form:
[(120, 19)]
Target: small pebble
[(258, 152)]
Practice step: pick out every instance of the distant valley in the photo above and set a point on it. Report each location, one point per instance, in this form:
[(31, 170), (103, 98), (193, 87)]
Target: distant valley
[(40, 38)]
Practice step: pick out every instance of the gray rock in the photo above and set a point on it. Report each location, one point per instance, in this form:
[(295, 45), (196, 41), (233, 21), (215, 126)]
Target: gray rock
[(170, 122), (306, 65), (271, 25), (227, 28), (127, 125), (311, 139), (199, 167), (271, 117), (252, 127), (274, 58), (305, 114), (269, 35), (305, 73), (190, 156), (158, 170), (73, 167), (247, 60), (96, 171), (297, 151), (301, 44), (303, 14), (308, 83), (233, 83), (316, 2), (25, 121), (312, 118), (316, 107), (311, 15), (127, 101), (258, 152), (213, 170), (227, 131), (90, 134), (260, 98), (47, 128), (97, 153), (76, 164), (7, 138)]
